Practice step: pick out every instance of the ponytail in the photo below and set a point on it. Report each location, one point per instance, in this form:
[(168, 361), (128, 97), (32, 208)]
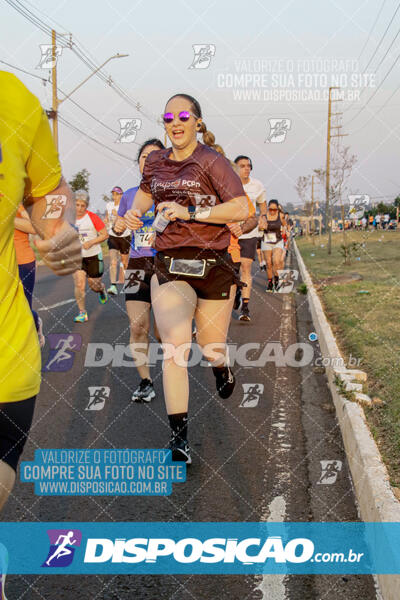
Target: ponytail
[(209, 138)]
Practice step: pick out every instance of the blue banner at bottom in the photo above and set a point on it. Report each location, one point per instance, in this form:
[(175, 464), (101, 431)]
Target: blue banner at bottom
[(199, 548)]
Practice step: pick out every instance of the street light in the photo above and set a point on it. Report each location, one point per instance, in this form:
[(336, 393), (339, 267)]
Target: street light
[(53, 114), (91, 75)]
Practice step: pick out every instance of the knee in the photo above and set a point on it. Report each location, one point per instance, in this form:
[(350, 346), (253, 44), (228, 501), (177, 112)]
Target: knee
[(139, 332), (95, 285)]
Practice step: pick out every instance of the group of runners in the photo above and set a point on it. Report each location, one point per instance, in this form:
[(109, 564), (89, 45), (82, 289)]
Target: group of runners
[(184, 240)]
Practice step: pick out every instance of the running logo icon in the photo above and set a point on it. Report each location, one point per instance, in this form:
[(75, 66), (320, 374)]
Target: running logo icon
[(62, 351), (132, 280), (63, 543), (54, 206), (47, 60), (98, 396), (251, 394), (128, 129), (278, 129), (205, 200), (357, 205), (330, 471), (203, 54), (287, 279)]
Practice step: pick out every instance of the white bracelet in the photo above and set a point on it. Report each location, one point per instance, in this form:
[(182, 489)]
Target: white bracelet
[(203, 213)]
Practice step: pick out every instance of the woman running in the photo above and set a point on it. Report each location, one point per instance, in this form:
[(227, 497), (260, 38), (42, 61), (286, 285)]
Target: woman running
[(196, 192), (137, 281), (272, 245)]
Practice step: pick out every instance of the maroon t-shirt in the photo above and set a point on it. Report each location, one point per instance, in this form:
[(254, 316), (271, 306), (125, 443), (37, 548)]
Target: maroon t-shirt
[(205, 178)]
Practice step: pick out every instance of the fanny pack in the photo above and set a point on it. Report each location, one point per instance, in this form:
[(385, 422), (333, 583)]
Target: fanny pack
[(190, 267)]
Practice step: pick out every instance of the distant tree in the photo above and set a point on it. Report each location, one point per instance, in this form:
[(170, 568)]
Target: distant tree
[(80, 181), (106, 198)]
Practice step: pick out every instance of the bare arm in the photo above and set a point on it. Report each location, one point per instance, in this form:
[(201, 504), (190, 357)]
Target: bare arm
[(23, 225), (227, 212), (141, 204), (59, 247)]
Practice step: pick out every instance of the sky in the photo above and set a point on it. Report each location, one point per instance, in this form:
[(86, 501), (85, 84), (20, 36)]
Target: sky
[(263, 86)]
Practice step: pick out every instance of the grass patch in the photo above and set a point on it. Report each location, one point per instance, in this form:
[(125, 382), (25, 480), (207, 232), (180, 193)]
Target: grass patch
[(367, 326)]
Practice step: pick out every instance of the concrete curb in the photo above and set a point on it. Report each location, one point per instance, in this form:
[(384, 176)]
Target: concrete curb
[(370, 477)]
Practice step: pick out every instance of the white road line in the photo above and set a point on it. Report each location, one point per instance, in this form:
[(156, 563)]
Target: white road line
[(56, 305), (272, 586)]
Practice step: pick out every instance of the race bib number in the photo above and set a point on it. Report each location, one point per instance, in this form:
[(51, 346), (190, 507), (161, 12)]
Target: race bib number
[(270, 237), (144, 240)]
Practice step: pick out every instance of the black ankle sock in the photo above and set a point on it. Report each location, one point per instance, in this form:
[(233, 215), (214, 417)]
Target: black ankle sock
[(178, 424)]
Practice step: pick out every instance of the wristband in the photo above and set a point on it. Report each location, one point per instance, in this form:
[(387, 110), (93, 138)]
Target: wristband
[(202, 212)]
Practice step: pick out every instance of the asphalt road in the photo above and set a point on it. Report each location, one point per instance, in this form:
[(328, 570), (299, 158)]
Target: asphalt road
[(254, 458)]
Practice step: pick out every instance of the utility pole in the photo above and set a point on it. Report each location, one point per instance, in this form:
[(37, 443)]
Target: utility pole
[(54, 85), (328, 204)]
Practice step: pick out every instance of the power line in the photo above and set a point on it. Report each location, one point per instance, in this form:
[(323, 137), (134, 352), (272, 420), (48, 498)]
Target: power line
[(77, 130), (372, 28), (374, 53), (82, 55), (383, 37), (377, 112), (377, 89), (43, 80)]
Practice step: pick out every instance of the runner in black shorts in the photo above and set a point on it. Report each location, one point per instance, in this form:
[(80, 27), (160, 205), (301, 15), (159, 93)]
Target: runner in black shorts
[(118, 244), (248, 241), (137, 281), (92, 232), (196, 192)]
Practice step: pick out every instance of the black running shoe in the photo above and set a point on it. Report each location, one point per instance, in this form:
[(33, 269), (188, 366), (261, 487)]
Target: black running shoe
[(145, 392), (225, 381), (245, 314), (180, 450), (263, 267), (270, 286), (238, 300)]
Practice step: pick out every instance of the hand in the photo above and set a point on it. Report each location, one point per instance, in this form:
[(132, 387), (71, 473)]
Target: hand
[(132, 219), (119, 225), (87, 245), (61, 252), (262, 223), (173, 211), (235, 229)]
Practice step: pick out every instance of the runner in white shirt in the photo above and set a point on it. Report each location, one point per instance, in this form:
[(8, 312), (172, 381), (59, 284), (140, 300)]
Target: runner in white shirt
[(92, 232), (248, 241), (118, 244)]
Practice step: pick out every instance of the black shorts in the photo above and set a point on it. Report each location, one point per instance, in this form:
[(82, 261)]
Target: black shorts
[(15, 423), (122, 244), (217, 284), (93, 266), (248, 247), (259, 240), (137, 279)]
